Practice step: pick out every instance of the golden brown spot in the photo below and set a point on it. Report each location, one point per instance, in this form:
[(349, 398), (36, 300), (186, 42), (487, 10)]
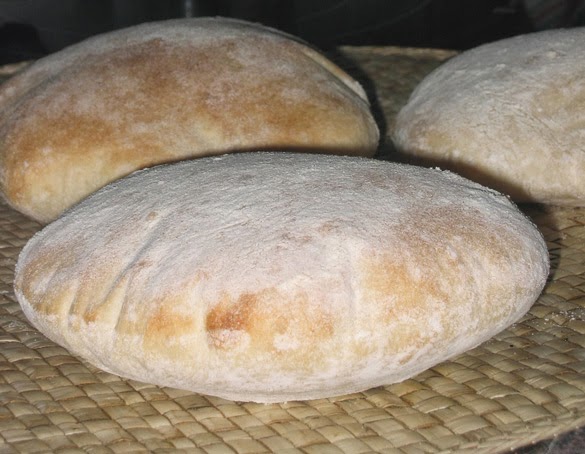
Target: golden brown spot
[(165, 324), (232, 315), (266, 315), (91, 314)]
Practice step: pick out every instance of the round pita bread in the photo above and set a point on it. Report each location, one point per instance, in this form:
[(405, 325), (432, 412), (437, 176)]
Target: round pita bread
[(274, 276), (163, 92), (509, 115)]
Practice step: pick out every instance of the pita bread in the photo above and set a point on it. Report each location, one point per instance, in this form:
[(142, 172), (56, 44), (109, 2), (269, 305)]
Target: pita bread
[(163, 92), (509, 115), (273, 276)]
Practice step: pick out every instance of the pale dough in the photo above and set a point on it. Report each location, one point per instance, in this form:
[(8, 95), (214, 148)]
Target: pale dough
[(167, 91), (274, 276), (510, 115)]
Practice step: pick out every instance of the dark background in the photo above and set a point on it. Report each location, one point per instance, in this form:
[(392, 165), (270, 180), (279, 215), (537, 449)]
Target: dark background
[(30, 29)]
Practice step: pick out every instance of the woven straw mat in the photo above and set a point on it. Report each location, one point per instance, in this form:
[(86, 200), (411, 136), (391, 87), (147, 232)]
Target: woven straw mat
[(524, 385)]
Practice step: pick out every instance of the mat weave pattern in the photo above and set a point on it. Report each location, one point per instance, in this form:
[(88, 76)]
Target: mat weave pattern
[(524, 385)]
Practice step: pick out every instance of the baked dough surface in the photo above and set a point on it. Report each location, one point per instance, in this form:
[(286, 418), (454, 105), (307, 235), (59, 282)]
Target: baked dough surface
[(509, 115), (275, 276), (166, 91)]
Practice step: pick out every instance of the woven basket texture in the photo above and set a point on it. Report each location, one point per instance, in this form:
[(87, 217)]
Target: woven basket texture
[(524, 385)]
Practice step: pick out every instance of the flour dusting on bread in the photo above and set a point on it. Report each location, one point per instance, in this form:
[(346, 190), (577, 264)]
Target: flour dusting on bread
[(278, 276), (162, 92)]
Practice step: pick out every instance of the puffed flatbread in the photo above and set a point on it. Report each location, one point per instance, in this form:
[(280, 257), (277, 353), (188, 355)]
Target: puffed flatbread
[(509, 115), (273, 276), (163, 92)]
